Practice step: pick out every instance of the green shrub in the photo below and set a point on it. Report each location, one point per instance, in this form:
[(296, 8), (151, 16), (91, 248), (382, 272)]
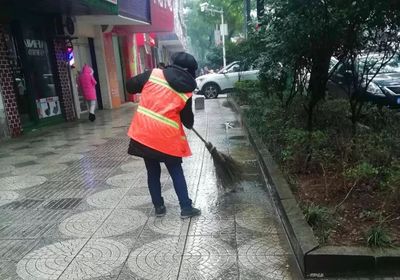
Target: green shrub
[(333, 115), (380, 119), (316, 215), (364, 172), (392, 182), (364, 153), (378, 148), (243, 90), (320, 219), (377, 236)]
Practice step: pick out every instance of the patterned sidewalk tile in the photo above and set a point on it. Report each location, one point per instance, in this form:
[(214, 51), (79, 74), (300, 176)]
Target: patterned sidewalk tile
[(15, 250), (224, 244), (260, 245), (39, 216), (170, 224), (142, 268), (207, 267), (23, 204), (74, 259), (266, 268), (99, 259), (248, 210), (103, 223), (157, 259), (122, 221), (211, 226), (8, 270), (262, 225), (23, 231), (75, 205)]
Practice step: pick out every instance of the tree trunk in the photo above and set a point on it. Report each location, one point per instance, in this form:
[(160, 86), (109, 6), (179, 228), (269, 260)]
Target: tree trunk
[(318, 79)]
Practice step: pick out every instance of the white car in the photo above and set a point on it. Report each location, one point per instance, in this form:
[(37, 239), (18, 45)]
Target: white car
[(211, 85)]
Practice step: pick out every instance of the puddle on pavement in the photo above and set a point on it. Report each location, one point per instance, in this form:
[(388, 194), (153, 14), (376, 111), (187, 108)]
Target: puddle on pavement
[(237, 137), (242, 153), (226, 104), (4, 155)]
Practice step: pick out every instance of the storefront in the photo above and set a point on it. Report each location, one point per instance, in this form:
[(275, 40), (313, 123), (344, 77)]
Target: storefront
[(138, 54), (36, 55), (83, 52), (139, 41), (146, 53), (33, 68)]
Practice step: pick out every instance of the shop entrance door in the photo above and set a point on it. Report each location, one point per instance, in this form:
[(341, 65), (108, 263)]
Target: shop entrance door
[(38, 102), (25, 101), (83, 53), (82, 57)]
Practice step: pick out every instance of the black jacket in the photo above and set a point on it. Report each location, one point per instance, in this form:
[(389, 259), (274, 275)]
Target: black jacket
[(180, 80)]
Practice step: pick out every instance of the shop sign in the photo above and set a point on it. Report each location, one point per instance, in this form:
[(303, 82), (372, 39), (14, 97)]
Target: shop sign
[(136, 9), (112, 71), (35, 47), (48, 107), (162, 18), (101, 6), (162, 15), (167, 4)]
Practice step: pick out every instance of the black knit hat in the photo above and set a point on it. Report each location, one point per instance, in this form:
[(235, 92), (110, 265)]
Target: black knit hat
[(184, 60)]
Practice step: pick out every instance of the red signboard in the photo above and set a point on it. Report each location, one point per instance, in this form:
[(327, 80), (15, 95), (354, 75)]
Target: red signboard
[(144, 38), (112, 71), (162, 19)]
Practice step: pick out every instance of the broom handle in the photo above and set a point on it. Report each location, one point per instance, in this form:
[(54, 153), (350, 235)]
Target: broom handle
[(198, 135)]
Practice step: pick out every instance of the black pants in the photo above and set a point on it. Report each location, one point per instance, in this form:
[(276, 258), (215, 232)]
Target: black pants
[(153, 179)]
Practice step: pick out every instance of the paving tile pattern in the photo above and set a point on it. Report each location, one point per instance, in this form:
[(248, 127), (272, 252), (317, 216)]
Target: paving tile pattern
[(74, 205)]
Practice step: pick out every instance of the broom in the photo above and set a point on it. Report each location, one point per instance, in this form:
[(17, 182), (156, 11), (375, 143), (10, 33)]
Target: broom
[(228, 170)]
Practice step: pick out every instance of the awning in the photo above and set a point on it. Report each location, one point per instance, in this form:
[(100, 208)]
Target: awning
[(170, 41), (135, 9), (66, 7), (162, 19), (130, 12), (107, 12), (110, 20)]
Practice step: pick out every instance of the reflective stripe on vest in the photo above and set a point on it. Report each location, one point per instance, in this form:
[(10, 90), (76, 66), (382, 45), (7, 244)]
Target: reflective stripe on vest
[(157, 123), (164, 83), (157, 117)]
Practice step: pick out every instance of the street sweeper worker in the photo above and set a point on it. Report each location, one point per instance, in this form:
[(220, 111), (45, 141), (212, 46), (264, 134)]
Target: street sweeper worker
[(156, 132)]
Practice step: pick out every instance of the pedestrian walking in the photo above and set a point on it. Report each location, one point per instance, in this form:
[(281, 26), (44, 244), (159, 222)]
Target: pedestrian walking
[(156, 130), (87, 85)]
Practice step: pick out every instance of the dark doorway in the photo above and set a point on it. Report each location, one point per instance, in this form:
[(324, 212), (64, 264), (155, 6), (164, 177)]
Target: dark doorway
[(96, 73), (23, 97)]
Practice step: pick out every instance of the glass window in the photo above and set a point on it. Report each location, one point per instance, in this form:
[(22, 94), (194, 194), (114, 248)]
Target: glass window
[(38, 58), (38, 69)]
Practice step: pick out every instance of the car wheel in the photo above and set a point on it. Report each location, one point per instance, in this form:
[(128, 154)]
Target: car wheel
[(211, 90)]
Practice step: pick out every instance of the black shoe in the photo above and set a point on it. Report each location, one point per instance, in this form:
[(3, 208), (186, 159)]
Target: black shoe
[(92, 117), (190, 212), (160, 211)]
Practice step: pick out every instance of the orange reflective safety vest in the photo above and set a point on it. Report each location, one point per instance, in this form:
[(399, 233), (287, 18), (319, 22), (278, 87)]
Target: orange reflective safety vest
[(157, 123)]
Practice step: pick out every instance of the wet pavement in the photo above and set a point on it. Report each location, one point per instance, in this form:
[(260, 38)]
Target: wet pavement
[(74, 205)]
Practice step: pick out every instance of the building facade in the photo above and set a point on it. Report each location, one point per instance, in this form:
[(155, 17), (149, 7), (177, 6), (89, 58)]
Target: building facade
[(145, 46), (44, 46)]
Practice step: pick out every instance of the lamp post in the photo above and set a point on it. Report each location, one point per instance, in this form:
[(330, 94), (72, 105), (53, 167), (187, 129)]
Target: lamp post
[(205, 7)]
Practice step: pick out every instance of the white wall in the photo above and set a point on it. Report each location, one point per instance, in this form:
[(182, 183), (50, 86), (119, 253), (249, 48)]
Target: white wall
[(83, 29), (102, 68)]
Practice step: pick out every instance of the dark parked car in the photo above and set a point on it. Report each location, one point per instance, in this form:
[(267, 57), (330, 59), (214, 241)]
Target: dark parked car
[(384, 88)]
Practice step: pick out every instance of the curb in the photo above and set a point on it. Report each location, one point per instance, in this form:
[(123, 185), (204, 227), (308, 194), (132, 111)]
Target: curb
[(314, 260)]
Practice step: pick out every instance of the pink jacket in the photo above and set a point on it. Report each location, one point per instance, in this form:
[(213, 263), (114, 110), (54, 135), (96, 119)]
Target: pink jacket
[(87, 83)]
